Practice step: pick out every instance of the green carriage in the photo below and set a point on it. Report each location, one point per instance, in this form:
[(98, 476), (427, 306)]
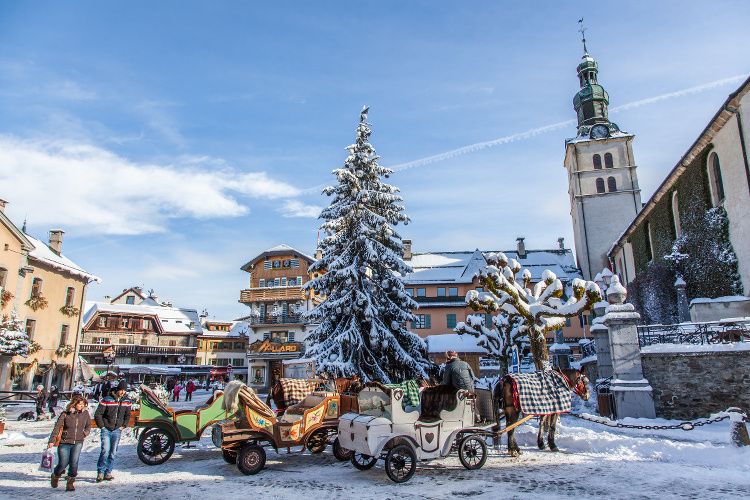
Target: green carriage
[(162, 426)]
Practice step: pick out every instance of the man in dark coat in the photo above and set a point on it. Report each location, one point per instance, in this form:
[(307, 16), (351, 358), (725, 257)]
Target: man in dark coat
[(112, 416), (458, 373)]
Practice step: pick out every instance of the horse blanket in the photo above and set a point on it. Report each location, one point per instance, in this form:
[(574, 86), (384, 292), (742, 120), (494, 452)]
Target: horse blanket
[(540, 393), (294, 390), (411, 392)]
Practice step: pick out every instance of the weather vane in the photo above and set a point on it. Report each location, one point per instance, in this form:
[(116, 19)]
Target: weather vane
[(582, 30)]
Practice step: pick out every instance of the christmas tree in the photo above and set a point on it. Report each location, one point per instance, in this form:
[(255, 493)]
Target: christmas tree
[(13, 338), (362, 321)]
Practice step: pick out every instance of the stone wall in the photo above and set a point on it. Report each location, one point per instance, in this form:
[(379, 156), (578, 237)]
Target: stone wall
[(689, 385)]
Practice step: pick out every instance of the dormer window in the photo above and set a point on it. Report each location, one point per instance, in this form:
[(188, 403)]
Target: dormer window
[(130, 299)]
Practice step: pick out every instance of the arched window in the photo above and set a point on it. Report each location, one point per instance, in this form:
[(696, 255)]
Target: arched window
[(676, 215), (36, 287), (597, 162), (599, 185), (611, 184), (608, 160), (714, 180), (649, 247)]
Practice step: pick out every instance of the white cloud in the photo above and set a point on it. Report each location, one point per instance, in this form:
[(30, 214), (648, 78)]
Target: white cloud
[(295, 208), (97, 191)]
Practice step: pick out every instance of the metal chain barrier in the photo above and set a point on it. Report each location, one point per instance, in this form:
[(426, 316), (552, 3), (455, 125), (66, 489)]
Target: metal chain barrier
[(685, 426)]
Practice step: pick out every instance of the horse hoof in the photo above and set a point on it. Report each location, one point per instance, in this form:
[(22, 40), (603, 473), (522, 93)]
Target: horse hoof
[(515, 453), (540, 444), (554, 448)]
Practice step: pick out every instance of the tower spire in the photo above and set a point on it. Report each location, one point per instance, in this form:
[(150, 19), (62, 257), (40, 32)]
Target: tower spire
[(582, 31)]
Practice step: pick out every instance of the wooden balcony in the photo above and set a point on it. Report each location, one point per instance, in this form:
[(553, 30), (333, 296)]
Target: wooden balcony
[(271, 294), (284, 319), (138, 350)]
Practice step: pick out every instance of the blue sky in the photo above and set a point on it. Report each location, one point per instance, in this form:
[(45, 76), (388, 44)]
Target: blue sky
[(173, 141)]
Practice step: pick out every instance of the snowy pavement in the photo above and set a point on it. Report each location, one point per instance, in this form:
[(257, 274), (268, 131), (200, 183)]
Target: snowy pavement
[(595, 462)]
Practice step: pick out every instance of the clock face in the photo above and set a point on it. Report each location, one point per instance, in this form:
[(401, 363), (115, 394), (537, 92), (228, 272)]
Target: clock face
[(599, 131)]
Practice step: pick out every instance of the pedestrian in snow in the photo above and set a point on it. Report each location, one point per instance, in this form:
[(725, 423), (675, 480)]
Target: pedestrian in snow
[(176, 392), (112, 416), (71, 428), (54, 396), (40, 398), (458, 373), (171, 382), (189, 389)]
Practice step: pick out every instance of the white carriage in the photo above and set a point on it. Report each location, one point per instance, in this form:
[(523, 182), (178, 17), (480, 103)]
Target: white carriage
[(383, 428)]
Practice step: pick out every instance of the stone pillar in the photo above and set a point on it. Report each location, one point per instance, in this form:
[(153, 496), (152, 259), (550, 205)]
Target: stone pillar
[(683, 307), (601, 338), (560, 351), (632, 392)]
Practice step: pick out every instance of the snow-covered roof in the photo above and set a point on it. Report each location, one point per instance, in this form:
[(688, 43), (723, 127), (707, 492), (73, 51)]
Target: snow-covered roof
[(460, 267), (452, 341), (43, 253), (172, 319), (728, 298), (238, 329), (281, 249)]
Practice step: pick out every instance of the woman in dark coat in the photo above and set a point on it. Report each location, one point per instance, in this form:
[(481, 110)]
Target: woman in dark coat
[(72, 427), (54, 396)]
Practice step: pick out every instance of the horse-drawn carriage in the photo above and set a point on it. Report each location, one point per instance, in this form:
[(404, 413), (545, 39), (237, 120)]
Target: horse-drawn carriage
[(384, 428), (162, 426), (310, 424)]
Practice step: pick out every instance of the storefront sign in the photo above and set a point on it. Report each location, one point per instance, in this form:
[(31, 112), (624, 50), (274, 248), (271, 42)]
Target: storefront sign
[(268, 347)]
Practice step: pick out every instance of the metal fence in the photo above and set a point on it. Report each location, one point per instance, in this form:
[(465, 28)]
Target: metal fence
[(715, 332)]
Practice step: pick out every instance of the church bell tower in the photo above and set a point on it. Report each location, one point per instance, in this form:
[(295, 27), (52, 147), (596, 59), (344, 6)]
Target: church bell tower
[(602, 177)]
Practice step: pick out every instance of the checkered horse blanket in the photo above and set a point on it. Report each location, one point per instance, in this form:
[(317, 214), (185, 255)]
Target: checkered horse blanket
[(411, 392), (294, 390), (540, 393)]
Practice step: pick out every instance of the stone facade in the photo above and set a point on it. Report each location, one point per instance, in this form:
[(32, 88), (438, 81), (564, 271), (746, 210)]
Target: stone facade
[(697, 384)]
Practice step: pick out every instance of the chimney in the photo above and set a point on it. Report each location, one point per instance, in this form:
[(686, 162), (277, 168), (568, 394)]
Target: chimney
[(407, 249), (561, 243), (520, 248), (2, 205), (55, 240)]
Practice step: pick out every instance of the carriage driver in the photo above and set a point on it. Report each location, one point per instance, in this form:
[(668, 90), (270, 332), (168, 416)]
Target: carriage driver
[(457, 372)]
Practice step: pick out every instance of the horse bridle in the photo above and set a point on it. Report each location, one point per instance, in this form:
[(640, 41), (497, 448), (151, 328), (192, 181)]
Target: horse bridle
[(579, 387)]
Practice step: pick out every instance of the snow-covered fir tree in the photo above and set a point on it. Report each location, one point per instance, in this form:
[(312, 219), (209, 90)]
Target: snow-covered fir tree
[(520, 310), (362, 320), (13, 338)]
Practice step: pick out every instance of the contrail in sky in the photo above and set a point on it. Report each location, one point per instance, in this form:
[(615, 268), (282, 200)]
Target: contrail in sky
[(472, 148)]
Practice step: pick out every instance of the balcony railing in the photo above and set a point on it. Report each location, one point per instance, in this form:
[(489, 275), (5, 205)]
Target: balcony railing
[(459, 301), (271, 293), (715, 332), (270, 319), (138, 350)]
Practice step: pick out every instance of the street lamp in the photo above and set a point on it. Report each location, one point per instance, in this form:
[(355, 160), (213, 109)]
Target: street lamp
[(603, 279), (181, 359), (109, 356)]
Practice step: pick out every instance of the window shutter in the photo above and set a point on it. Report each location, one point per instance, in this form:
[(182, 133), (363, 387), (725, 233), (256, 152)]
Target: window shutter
[(427, 323)]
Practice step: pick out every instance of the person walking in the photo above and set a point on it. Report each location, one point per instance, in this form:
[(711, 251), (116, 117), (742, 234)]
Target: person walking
[(189, 389), (458, 373), (71, 428), (54, 396), (112, 416), (40, 398), (176, 392)]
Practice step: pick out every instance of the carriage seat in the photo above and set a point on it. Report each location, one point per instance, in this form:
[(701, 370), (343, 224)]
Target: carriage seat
[(435, 400), (311, 401), (216, 395)]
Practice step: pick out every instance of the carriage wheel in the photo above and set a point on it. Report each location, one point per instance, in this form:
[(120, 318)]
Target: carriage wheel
[(155, 446), (400, 463), (472, 452), (362, 461), (251, 459), (340, 452), (230, 457), (317, 441)]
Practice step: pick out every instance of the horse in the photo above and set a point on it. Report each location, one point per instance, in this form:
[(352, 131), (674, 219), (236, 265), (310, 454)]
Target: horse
[(575, 380)]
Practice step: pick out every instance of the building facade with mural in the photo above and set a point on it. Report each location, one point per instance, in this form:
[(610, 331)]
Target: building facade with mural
[(276, 305), (47, 290)]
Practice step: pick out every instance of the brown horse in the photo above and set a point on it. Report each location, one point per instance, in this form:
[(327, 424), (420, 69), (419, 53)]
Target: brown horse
[(503, 398)]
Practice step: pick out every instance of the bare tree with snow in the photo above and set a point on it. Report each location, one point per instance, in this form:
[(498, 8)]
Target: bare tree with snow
[(362, 321), (520, 310)]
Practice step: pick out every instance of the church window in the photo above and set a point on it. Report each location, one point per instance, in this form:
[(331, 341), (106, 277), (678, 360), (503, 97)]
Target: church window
[(611, 184), (714, 180), (649, 247), (676, 215), (608, 160), (599, 185), (597, 162)]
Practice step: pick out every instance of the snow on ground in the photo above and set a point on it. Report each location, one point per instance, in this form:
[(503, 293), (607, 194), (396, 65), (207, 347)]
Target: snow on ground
[(595, 462)]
